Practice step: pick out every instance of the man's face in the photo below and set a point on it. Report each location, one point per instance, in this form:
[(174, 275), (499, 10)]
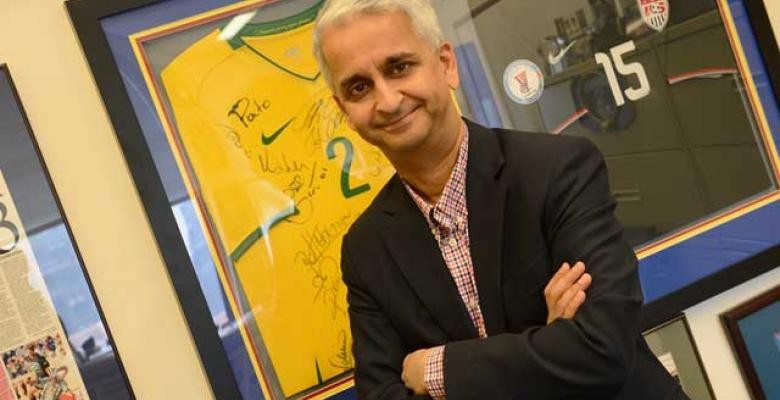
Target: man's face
[(394, 89)]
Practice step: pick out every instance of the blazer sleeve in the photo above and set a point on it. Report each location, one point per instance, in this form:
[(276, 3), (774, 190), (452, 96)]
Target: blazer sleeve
[(379, 351), (591, 355)]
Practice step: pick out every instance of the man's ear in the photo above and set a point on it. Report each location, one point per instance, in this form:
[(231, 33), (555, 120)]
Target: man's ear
[(344, 110), (450, 65)]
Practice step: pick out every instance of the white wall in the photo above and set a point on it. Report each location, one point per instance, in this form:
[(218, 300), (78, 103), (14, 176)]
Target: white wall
[(717, 356), (98, 196)]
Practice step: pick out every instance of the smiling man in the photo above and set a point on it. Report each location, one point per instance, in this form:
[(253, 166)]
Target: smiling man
[(451, 272)]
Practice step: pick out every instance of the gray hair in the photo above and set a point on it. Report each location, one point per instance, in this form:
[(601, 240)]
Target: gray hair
[(335, 12)]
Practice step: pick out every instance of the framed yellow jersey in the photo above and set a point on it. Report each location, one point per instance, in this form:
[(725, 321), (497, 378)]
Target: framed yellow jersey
[(278, 177)]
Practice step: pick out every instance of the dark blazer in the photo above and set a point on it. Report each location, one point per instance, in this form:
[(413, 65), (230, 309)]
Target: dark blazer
[(534, 201)]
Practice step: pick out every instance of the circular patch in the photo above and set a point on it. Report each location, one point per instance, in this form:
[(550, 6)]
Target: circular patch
[(523, 82)]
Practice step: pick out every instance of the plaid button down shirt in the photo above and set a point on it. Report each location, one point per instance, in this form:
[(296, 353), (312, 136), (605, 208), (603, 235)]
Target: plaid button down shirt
[(448, 220)]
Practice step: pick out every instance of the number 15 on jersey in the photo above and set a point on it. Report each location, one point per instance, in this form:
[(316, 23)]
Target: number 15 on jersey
[(615, 62)]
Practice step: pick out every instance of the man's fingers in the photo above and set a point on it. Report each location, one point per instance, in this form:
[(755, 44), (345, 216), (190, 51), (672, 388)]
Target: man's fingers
[(558, 274), (584, 282), (404, 370), (562, 290), (571, 276), (565, 267), (581, 285), (566, 281), (574, 305)]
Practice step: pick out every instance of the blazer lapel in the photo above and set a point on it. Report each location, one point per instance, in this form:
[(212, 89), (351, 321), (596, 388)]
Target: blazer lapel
[(417, 254), (486, 200)]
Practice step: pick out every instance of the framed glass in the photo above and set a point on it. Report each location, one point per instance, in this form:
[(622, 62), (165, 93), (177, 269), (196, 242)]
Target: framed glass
[(263, 251), (678, 96), (194, 89), (754, 334), (675, 347), (53, 337)]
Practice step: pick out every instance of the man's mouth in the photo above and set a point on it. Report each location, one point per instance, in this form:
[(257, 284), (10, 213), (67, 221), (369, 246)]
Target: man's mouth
[(401, 122)]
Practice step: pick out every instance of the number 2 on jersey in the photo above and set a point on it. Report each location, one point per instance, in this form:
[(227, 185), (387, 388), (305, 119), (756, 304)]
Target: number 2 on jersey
[(346, 190)]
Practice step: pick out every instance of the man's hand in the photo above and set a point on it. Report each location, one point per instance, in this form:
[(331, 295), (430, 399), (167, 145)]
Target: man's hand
[(413, 374), (565, 292)]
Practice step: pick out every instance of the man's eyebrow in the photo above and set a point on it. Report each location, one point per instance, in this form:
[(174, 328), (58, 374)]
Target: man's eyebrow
[(389, 61), (395, 58)]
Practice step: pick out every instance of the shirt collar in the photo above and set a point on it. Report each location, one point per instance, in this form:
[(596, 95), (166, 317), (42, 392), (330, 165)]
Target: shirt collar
[(450, 210)]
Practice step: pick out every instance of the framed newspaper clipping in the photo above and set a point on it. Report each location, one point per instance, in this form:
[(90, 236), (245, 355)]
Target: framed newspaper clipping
[(249, 175), (674, 346), (54, 340)]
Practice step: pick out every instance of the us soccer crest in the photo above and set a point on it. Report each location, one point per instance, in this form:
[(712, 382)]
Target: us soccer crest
[(655, 13)]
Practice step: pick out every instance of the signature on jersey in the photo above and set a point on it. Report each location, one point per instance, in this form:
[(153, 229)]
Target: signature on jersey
[(247, 110)]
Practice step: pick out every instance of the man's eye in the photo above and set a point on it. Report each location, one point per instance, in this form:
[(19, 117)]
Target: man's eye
[(400, 68), (357, 89)]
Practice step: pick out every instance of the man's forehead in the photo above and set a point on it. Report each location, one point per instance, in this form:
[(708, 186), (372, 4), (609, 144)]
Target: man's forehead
[(361, 16), (366, 44), (391, 27)]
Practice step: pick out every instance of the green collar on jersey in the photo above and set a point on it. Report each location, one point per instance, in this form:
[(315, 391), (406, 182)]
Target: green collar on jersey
[(274, 27)]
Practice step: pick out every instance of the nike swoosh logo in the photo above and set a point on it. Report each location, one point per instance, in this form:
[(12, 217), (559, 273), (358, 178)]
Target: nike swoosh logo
[(270, 139), (555, 59)]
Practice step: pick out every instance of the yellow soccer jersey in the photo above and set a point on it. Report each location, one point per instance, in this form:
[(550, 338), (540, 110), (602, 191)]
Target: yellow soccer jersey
[(282, 178)]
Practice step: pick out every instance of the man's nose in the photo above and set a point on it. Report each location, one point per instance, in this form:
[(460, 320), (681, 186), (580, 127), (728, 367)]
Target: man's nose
[(388, 97)]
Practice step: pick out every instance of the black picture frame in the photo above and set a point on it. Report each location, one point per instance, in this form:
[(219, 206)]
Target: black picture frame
[(767, 41), (108, 377), (657, 312), (663, 309), (86, 17)]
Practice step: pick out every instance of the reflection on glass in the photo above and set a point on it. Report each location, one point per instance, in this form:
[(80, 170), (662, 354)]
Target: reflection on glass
[(77, 312), (227, 325), (653, 83)]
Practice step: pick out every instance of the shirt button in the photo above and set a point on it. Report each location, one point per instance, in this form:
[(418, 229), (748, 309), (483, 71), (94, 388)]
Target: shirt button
[(453, 242), (474, 304), (459, 219)]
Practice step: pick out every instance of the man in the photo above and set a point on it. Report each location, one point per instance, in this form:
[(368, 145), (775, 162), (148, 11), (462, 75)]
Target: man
[(450, 271), (57, 388), (37, 364)]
